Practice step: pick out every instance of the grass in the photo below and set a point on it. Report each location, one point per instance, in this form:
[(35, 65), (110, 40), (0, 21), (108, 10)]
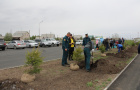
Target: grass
[(90, 84)]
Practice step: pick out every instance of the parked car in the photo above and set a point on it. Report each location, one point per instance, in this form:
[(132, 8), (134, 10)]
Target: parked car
[(53, 42), (2, 44), (38, 41), (16, 44), (79, 42), (30, 43), (45, 43)]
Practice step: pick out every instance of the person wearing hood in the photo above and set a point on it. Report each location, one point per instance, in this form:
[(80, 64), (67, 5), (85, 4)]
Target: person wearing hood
[(89, 47)]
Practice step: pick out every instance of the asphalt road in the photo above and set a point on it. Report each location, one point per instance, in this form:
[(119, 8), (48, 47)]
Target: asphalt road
[(130, 78), (12, 58)]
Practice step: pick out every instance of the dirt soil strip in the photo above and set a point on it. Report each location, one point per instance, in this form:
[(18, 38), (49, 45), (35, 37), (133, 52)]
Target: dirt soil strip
[(126, 76), (23, 65)]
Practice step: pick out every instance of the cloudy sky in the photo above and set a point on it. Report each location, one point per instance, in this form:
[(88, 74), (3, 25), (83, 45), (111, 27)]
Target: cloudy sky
[(97, 17)]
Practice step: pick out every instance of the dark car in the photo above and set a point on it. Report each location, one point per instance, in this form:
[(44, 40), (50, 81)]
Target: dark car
[(38, 41), (2, 44)]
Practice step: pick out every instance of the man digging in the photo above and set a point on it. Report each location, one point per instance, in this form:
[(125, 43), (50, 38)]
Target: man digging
[(88, 47)]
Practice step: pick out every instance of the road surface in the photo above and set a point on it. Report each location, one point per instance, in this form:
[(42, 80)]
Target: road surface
[(12, 58), (130, 78)]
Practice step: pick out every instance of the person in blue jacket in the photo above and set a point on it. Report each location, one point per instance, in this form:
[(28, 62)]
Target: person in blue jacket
[(120, 47), (139, 49), (65, 47), (86, 40)]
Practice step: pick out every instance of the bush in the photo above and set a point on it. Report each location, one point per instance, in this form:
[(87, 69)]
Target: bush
[(34, 60), (77, 54), (133, 43), (8, 37), (102, 48)]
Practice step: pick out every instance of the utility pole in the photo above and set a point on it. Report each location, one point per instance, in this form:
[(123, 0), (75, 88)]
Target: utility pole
[(39, 28)]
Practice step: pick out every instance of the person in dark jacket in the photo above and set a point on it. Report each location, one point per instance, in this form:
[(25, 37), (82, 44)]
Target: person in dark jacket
[(65, 47), (139, 49), (120, 41), (71, 46), (86, 40), (88, 47)]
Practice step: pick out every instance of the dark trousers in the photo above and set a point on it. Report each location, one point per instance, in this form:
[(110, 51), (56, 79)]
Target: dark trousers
[(139, 49), (71, 49), (97, 46), (120, 48), (87, 58), (64, 57), (111, 45)]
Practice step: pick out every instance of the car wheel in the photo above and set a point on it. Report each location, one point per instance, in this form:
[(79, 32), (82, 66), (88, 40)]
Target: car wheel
[(36, 47), (23, 48), (3, 48), (52, 45), (15, 47), (29, 46), (57, 44)]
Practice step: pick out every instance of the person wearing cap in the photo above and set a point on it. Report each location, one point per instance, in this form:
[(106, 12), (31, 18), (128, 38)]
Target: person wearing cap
[(89, 47), (86, 40), (71, 46), (65, 47)]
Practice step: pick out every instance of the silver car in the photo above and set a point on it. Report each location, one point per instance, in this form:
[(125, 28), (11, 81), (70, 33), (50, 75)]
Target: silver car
[(30, 43), (16, 44), (45, 43)]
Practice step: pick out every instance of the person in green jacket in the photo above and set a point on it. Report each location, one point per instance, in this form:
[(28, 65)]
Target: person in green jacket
[(65, 48), (86, 40)]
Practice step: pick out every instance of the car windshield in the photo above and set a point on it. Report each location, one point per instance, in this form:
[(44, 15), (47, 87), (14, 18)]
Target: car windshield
[(43, 40), (19, 41), (31, 41), (52, 39)]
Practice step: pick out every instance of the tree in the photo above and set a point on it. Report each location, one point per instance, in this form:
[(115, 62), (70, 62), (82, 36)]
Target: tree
[(33, 37), (8, 37), (34, 60), (81, 38), (93, 38)]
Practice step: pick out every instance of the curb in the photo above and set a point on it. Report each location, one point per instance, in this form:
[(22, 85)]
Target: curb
[(23, 65), (120, 73)]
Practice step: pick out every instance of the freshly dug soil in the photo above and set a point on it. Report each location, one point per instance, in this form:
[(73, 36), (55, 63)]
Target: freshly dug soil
[(13, 84), (124, 53), (104, 66)]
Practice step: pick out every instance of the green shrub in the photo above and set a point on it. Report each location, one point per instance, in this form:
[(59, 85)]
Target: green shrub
[(90, 84), (34, 60), (8, 37), (102, 48), (133, 43), (137, 43), (77, 54)]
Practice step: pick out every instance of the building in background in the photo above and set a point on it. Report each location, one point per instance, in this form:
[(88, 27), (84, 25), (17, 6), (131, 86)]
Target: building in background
[(77, 37), (46, 36), (21, 35), (1, 37)]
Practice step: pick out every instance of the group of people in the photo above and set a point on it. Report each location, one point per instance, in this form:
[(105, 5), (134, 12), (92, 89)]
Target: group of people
[(112, 43), (68, 44)]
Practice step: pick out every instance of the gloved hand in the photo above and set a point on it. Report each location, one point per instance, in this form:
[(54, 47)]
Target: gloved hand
[(92, 50)]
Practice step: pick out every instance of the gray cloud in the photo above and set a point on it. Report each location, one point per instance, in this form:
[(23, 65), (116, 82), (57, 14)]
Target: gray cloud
[(97, 17)]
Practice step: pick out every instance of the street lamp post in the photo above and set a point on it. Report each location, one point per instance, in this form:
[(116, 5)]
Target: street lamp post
[(39, 28)]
